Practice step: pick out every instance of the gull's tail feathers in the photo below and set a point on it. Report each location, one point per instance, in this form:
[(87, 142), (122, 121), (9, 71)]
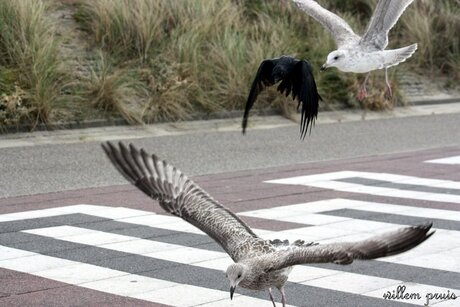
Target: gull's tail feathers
[(395, 56)]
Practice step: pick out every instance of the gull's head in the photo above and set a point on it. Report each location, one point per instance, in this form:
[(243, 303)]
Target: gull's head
[(336, 58), (236, 272)]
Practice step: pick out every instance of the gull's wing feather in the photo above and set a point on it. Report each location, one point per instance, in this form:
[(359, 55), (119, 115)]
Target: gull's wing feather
[(387, 244), (301, 84), (180, 196), (340, 30), (385, 16), (263, 79)]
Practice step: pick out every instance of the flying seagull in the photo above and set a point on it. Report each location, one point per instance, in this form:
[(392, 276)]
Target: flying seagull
[(258, 264), (362, 54), (296, 78)]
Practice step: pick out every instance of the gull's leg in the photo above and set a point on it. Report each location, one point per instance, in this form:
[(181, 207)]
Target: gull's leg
[(283, 296), (389, 92), (362, 89), (271, 296)]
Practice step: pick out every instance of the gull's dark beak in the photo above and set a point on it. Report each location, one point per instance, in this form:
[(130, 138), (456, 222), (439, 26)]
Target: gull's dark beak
[(232, 290), (323, 68)]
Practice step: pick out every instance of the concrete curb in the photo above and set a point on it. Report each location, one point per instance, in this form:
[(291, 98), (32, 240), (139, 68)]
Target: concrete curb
[(111, 122), (105, 132)]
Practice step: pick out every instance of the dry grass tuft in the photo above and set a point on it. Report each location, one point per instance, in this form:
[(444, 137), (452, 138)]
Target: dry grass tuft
[(114, 91), (28, 51)]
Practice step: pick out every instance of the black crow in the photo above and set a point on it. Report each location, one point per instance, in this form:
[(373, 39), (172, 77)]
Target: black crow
[(296, 78)]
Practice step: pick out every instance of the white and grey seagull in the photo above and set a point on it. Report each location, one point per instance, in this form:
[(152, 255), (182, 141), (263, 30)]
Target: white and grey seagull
[(367, 53), (258, 264)]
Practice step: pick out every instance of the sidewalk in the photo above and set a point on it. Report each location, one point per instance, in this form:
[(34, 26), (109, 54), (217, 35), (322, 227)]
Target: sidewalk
[(229, 124)]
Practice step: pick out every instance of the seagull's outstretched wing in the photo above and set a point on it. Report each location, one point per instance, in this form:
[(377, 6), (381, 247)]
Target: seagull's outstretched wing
[(385, 16), (387, 244), (340, 30), (263, 79), (301, 84), (180, 196)]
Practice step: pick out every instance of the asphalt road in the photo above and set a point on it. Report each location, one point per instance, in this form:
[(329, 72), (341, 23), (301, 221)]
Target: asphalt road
[(27, 170)]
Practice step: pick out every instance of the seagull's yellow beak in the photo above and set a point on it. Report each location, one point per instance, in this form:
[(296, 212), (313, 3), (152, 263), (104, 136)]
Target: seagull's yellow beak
[(323, 68)]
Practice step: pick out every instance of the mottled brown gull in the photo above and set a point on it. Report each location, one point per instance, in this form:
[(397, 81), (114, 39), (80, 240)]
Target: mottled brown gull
[(259, 264), (362, 54)]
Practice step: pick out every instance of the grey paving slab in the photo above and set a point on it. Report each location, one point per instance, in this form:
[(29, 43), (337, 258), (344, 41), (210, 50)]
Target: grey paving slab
[(399, 186), (395, 218)]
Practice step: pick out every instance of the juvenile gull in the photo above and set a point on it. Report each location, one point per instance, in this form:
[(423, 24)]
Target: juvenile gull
[(259, 264), (296, 78), (362, 54)]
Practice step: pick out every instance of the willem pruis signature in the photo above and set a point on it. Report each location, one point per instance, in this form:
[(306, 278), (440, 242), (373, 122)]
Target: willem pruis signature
[(400, 294)]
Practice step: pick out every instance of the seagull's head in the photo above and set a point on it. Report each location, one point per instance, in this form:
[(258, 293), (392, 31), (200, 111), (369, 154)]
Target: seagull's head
[(236, 272), (334, 59)]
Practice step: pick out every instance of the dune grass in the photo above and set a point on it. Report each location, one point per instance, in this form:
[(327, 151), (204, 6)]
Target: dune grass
[(167, 60), (435, 25), (115, 92), (201, 56), (30, 70)]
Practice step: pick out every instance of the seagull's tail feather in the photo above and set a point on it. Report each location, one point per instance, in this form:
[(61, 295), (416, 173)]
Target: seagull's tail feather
[(395, 56)]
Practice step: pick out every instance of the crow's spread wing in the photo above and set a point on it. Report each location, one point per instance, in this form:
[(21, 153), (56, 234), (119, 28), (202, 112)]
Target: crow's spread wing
[(263, 79)]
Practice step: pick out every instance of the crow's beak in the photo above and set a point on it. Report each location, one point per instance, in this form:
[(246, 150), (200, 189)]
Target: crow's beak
[(323, 68), (232, 290)]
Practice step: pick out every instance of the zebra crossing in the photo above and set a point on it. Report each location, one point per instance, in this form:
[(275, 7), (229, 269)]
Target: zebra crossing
[(382, 184), (162, 259), (47, 247)]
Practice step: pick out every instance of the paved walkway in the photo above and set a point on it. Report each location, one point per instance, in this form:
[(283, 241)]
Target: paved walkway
[(112, 246), (216, 125)]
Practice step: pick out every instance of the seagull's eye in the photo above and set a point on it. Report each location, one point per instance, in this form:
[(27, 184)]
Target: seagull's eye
[(239, 276), (336, 57)]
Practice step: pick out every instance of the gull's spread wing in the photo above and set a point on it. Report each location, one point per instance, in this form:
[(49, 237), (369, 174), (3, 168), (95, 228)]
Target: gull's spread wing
[(387, 244), (385, 16), (340, 30), (180, 196)]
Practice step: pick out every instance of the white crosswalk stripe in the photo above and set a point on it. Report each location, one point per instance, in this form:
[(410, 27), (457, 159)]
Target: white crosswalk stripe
[(449, 160), (290, 212), (338, 181)]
